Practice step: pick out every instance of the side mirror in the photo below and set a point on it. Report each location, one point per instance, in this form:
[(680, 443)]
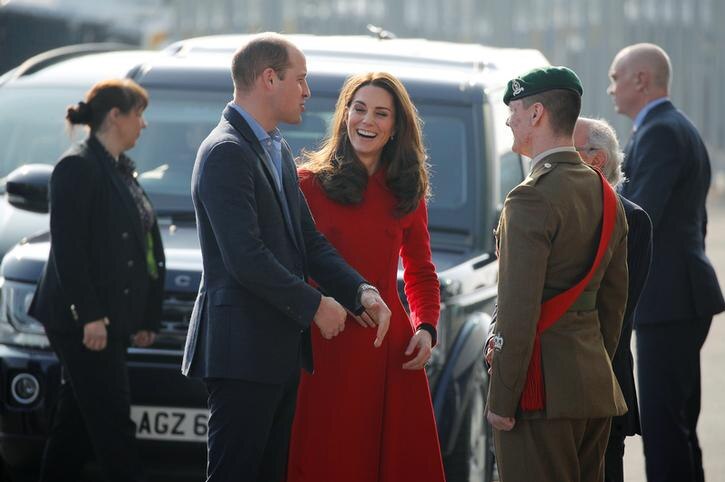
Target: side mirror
[(27, 187)]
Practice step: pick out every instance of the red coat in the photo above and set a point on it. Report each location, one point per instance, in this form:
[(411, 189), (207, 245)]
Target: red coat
[(361, 417)]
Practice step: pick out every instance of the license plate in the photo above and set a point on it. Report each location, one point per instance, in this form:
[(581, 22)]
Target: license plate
[(170, 423)]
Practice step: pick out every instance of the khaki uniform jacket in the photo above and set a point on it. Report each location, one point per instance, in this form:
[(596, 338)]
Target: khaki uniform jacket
[(547, 238)]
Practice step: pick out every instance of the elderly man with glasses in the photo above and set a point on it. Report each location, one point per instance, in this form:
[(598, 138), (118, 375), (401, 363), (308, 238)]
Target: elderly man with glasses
[(597, 144)]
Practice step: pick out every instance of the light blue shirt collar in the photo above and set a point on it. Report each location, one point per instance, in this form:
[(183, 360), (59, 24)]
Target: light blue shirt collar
[(646, 110), (257, 128), (271, 142)]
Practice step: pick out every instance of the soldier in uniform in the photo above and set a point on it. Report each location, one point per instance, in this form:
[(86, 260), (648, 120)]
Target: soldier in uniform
[(562, 241)]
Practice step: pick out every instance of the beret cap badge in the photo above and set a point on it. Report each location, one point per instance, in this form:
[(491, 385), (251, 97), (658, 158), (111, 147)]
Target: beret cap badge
[(516, 87), (541, 80)]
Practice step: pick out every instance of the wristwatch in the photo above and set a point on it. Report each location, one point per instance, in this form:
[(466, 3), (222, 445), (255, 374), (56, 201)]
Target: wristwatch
[(365, 287)]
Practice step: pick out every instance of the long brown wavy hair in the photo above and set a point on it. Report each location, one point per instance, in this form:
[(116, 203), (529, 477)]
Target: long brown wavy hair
[(340, 172)]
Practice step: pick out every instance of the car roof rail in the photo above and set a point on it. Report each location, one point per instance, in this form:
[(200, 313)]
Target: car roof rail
[(46, 59)]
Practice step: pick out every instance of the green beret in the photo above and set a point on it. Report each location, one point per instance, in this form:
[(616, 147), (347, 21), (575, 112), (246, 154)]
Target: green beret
[(540, 80)]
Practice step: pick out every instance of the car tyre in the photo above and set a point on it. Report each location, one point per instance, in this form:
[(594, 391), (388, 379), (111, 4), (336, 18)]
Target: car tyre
[(472, 458)]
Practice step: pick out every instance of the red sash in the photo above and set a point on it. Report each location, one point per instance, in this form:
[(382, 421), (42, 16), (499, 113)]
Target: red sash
[(532, 397)]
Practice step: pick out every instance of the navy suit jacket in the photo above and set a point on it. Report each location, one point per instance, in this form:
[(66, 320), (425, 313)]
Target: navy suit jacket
[(639, 258), (252, 315), (668, 175)]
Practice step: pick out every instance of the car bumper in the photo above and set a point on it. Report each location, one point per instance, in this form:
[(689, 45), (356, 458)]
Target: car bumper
[(156, 384)]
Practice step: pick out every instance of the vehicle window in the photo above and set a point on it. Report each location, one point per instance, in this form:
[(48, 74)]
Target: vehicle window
[(179, 121), (165, 152), (510, 163), (32, 130), (309, 133), (32, 125), (444, 135), (511, 173), (177, 124)]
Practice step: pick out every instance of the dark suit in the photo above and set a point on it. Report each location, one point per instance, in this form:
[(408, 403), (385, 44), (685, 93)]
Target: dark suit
[(639, 258), (668, 172), (96, 268), (249, 331)]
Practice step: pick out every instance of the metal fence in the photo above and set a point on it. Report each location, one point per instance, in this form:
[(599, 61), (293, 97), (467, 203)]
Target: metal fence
[(582, 34)]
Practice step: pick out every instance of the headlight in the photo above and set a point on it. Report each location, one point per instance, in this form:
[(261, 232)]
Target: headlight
[(16, 326)]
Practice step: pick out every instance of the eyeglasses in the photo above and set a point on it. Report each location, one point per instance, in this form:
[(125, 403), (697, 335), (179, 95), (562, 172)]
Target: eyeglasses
[(587, 149)]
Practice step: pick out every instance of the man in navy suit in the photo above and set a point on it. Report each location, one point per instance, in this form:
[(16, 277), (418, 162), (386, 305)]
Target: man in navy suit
[(668, 174), (597, 144), (249, 332)]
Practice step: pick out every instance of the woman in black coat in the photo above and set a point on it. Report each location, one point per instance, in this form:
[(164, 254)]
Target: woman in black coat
[(102, 287)]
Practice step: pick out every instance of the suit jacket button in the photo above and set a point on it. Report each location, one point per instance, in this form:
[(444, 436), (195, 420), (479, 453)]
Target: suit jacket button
[(124, 235), (130, 263), (126, 291)]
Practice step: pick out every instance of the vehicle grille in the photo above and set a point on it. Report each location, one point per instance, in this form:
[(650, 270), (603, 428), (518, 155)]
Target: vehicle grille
[(175, 321)]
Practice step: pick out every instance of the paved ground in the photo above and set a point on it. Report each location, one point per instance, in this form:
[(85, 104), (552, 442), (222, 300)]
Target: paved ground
[(712, 419)]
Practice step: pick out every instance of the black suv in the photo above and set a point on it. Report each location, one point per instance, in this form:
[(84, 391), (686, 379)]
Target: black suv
[(457, 90)]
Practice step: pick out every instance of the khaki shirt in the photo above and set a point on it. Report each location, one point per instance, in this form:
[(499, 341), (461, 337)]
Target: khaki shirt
[(547, 239)]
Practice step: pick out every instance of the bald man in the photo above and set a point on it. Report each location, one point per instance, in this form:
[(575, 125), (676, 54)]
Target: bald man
[(597, 144), (668, 175)]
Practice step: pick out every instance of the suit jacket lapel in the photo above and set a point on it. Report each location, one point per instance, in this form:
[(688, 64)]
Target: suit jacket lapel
[(631, 161), (123, 192), (238, 122), (291, 190), (628, 164)]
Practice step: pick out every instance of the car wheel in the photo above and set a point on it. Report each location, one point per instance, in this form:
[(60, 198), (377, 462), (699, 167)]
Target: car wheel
[(472, 458)]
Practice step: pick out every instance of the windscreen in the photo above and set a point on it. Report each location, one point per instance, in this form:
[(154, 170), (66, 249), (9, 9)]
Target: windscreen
[(179, 121), (33, 130), (32, 125)]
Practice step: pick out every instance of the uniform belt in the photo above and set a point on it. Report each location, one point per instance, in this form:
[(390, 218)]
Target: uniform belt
[(587, 301)]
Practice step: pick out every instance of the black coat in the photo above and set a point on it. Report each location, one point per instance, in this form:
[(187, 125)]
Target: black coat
[(252, 316), (97, 263), (668, 175), (639, 258)]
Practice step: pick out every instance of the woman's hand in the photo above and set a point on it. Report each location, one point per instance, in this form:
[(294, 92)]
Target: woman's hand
[(144, 338), (95, 334), (423, 341)]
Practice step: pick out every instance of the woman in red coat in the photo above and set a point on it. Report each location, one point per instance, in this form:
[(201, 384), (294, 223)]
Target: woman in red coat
[(365, 415)]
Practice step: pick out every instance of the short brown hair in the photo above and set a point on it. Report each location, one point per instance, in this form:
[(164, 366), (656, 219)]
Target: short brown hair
[(125, 94), (267, 50), (343, 176), (563, 107)]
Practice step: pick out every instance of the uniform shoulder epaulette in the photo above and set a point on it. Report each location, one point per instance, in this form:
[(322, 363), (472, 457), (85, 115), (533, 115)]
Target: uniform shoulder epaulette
[(541, 170)]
